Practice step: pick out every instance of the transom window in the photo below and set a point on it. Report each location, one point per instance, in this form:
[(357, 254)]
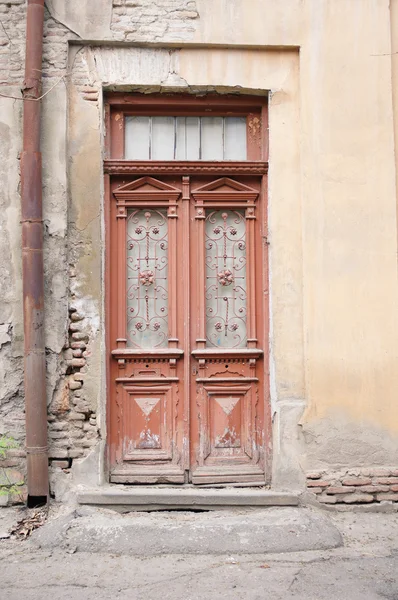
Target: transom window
[(185, 138)]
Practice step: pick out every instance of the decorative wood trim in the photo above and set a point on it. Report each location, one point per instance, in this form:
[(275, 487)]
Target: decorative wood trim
[(175, 167), (227, 353), (215, 192), (228, 103), (147, 189), (137, 380), (226, 380), (159, 353)]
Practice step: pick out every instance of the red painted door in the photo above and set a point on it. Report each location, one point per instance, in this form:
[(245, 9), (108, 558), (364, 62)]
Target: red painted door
[(186, 280), (187, 328)]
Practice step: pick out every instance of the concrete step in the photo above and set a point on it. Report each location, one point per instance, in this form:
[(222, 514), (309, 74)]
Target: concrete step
[(166, 498), (237, 531)]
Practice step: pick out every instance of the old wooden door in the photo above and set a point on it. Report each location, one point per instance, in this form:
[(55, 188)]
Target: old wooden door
[(187, 320)]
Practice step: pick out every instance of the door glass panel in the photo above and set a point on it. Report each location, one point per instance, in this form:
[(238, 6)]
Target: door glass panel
[(226, 297), (163, 138), (147, 285), (137, 138), (235, 139), (185, 138), (212, 138)]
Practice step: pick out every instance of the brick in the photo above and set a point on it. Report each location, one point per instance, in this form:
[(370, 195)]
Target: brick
[(77, 353), (357, 497), (357, 481), (80, 335), (76, 452), (386, 480), (314, 475), (16, 452), (10, 477), (60, 464), (78, 345), (58, 426), (76, 316), (9, 462), (387, 496), (77, 362), (74, 416), (57, 453), (75, 385), (316, 490), (373, 489), (377, 472), (18, 495), (340, 489), (58, 435), (327, 499), (317, 483), (394, 488)]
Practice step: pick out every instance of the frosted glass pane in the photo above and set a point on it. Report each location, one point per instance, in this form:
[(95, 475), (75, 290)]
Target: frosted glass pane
[(137, 138), (147, 284), (162, 138), (192, 138), (235, 138), (212, 138), (187, 138), (226, 297)]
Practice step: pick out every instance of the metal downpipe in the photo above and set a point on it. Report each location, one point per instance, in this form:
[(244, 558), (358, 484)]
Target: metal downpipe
[(32, 263)]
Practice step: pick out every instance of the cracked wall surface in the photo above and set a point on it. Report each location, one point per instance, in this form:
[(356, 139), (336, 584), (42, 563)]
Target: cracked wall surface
[(332, 203)]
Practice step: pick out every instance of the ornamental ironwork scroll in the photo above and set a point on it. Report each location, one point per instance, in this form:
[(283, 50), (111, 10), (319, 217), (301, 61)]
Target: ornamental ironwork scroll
[(226, 293), (147, 284)]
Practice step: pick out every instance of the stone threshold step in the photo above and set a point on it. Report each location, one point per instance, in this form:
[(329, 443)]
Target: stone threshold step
[(188, 498)]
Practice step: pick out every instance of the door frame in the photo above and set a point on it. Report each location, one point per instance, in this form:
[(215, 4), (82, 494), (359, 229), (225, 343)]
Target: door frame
[(256, 111)]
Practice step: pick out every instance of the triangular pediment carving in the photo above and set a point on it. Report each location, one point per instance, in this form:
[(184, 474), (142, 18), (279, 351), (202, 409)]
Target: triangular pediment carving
[(225, 189), (147, 188)]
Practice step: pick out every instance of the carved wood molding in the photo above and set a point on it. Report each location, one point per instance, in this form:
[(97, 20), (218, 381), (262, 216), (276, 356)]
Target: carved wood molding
[(153, 167), (160, 353), (227, 353)]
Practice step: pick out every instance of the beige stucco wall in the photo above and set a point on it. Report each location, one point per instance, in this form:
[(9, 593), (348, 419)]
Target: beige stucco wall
[(332, 77)]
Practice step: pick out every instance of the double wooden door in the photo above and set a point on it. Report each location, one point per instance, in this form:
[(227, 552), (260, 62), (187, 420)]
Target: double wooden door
[(187, 307)]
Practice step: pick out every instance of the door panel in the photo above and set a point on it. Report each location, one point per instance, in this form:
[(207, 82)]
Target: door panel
[(187, 366)]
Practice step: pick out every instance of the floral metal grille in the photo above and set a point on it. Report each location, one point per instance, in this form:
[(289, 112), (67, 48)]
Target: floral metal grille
[(226, 296), (147, 268)]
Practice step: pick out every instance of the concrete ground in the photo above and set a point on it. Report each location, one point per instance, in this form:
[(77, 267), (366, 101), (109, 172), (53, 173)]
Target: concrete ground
[(365, 568)]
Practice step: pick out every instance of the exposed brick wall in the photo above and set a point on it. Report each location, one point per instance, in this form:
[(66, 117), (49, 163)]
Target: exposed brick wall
[(148, 20), (355, 486)]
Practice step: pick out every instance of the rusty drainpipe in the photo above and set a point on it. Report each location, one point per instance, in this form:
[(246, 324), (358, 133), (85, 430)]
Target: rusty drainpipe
[(32, 263)]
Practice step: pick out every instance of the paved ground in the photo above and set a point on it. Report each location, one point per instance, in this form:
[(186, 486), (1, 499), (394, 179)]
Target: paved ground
[(365, 568)]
